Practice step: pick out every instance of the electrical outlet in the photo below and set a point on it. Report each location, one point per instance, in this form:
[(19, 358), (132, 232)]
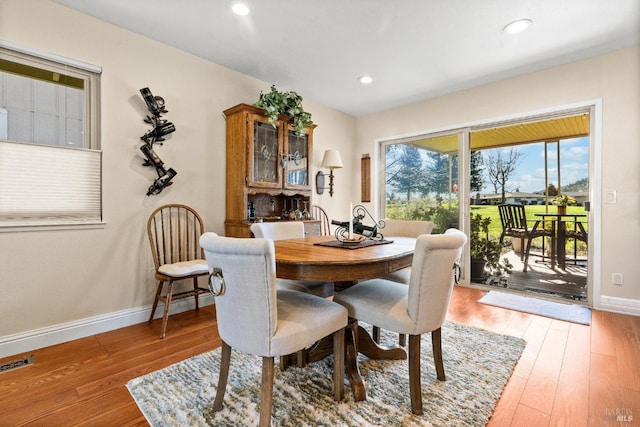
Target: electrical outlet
[(617, 278)]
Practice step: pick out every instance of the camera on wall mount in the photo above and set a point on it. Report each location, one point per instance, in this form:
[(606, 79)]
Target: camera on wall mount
[(161, 128)]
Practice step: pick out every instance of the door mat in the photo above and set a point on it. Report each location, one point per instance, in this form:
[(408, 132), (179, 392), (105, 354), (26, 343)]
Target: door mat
[(554, 310)]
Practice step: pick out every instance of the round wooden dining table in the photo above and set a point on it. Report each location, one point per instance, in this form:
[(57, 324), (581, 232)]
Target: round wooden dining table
[(323, 258)]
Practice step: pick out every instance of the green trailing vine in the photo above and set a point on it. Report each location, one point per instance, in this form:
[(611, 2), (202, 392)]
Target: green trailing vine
[(289, 104)]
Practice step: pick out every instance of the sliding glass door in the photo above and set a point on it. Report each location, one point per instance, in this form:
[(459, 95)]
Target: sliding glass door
[(421, 179), (458, 178)]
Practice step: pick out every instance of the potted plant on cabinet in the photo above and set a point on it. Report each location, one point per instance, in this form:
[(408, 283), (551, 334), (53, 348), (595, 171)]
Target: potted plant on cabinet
[(289, 104), (562, 201), (485, 253)]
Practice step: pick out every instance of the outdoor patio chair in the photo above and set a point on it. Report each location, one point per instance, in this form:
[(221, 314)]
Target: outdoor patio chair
[(516, 225), (579, 233)]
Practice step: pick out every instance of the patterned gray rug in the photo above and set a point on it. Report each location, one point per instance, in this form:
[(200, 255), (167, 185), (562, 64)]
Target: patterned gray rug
[(477, 364)]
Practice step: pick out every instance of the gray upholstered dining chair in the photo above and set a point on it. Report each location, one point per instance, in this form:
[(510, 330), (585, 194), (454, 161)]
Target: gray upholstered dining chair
[(255, 318), (279, 230), (416, 309), (394, 228), (404, 228)]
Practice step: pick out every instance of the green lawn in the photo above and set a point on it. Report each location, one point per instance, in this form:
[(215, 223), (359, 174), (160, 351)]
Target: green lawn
[(423, 210), (495, 228)]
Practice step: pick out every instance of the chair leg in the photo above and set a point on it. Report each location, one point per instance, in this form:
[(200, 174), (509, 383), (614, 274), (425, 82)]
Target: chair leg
[(402, 340), (266, 394), (338, 364), (415, 387), (167, 303), (526, 256), (155, 302), (375, 334), (196, 294), (284, 362), (301, 360), (225, 358), (436, 343)]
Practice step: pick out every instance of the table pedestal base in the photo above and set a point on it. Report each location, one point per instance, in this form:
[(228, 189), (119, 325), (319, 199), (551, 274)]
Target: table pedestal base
[(357, 340)]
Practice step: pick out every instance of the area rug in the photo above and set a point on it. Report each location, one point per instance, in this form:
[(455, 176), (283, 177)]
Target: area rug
[(477, 365), (554, 310)]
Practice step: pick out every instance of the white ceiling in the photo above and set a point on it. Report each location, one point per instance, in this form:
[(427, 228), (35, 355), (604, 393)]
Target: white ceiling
[(414, 49)]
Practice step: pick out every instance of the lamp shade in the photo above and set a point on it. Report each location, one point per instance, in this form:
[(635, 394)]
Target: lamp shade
[(331, 159)]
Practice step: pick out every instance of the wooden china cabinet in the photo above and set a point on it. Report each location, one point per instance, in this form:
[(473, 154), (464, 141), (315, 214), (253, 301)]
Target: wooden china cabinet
[(268, 176)]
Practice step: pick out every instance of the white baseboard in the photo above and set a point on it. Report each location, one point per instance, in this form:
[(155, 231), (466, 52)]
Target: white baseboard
[(619, 305), (44, 337)]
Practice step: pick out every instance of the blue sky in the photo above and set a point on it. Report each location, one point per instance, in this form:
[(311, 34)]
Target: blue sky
[(529, 175)]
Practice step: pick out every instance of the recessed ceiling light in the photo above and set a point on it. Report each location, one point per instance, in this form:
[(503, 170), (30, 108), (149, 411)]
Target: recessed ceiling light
[(365, 80), (518, 26), (240, 9)]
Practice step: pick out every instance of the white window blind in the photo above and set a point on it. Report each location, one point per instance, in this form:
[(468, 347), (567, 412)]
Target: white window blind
[(50, 163), (46, 185)]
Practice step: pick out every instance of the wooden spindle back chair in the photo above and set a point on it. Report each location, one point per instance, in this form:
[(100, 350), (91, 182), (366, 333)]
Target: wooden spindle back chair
[(320, 214), (174, 231)]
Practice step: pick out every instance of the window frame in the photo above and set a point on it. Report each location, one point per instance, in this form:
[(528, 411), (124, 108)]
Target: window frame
[(91, 75)]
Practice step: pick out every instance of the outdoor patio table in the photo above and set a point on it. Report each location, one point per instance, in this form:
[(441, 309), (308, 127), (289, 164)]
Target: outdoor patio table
[(558, 235)]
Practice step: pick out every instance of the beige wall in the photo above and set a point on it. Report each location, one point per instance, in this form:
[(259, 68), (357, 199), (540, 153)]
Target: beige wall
[(48, 278), (53, 277), (614, 79)]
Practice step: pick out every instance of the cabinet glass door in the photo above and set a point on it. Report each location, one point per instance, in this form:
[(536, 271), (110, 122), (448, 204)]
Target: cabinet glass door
[(265, 169), (297, 160)]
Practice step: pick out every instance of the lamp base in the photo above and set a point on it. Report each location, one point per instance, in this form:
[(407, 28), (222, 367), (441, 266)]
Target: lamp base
[(331, 183)]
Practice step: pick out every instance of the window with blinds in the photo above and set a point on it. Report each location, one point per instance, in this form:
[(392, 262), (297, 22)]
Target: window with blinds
[(50, 159)]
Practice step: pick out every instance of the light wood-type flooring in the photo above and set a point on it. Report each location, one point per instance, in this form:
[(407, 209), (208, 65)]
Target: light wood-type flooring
[(569, 374)]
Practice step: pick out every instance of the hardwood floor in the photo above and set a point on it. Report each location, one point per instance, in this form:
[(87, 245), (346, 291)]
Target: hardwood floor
[(569, 374)]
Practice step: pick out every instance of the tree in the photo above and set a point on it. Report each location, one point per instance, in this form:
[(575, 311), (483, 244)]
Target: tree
[(500, 165), (404, 169), (439, 170), (477, 166)]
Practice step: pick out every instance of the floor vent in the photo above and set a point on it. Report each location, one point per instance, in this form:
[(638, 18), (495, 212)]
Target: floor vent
[(24, 361)]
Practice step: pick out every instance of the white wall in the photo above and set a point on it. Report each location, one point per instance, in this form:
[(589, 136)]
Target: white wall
[(50, 278), (613, 79)]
